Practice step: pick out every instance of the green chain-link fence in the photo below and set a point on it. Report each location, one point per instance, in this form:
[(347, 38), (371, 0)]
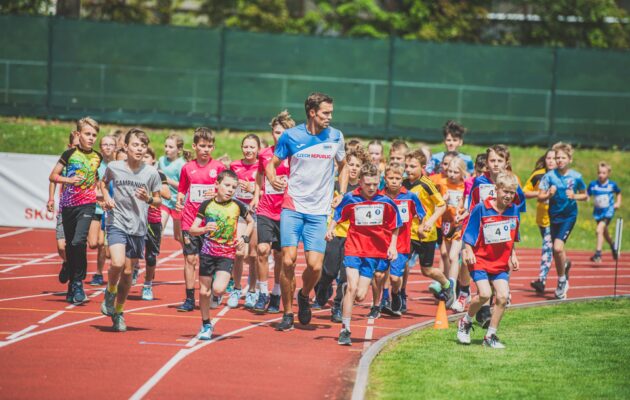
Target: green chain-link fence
[(387, 88)]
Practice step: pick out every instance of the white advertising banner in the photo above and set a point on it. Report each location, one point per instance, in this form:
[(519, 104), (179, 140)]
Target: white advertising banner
[(24, 191)]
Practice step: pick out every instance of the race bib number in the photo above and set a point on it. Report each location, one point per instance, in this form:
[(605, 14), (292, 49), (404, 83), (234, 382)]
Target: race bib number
[(602, 201), (269, 189), (497, 232), (243, 194), (198, 192), (454, 197), (486, 190), (403, 210), (368, 215)]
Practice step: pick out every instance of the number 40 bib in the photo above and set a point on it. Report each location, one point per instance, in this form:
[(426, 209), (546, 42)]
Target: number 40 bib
[(368, 214), (497, 232)]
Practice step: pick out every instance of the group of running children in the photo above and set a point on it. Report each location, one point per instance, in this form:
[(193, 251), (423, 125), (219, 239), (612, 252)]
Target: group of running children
[(391, 213)]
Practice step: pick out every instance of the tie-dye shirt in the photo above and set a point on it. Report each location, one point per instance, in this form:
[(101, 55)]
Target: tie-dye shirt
[(81, 163), (222, 241)]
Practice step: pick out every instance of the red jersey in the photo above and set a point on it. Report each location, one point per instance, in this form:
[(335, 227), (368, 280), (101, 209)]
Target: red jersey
[(270, 204), (247, 173), (372, 223), (194, 181), (492, 235), (409, 207)]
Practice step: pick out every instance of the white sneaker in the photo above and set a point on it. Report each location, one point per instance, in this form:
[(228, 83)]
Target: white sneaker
[(206, 332), (493, 342), (250, 299), (147, 293), (234, 298), (562, 289), (463, 331)]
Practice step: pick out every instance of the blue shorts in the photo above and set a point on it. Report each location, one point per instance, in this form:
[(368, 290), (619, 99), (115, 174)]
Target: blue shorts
[(366, 266), (396, 267), (561, 230), (134, 245), (480, 275), (296, 227)]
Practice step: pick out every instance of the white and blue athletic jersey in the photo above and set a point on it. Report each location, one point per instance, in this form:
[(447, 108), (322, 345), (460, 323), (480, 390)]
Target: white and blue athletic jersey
[(561, 208), (311, 168), (603, 198), (433, 166)]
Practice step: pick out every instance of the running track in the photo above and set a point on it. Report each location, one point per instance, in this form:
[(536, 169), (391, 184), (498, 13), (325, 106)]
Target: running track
[(52, 350)]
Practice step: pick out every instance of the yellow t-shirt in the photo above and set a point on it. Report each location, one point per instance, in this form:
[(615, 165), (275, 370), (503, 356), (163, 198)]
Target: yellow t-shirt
[(542, 207), (430, 198)]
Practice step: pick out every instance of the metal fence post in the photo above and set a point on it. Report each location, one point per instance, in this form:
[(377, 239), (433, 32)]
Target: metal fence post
[(390, 85), (551, 125), (49, 67), (221, 77)]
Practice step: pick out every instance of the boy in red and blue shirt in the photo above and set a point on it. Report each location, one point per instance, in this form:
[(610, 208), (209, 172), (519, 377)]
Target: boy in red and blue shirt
[(489, 253), (372, 236)]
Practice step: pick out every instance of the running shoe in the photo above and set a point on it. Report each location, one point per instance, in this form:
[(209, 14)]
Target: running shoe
[(215, 301), (63, 272), (119, 322), (567, 268), (304, 309), (598, 258), (69, 293), (435, 288), (147, 293), (234, 298), (316, 306), (493, 342), (538, 286), (230, 286), (274, 304), (261, 303), (97, 280), (78, 295), (463, 331), (403, 305), (448, 295), (396, 302), (187, 306), (286, 324), (344, 338), (206, 332), (374, 313), (250, 300), (386, 308), (459, 305), (335, 314), (483, 316), (562, 289), (107, 306), (134, 276)]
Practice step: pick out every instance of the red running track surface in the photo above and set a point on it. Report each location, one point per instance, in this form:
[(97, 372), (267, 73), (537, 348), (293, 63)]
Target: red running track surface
[(52, 350)]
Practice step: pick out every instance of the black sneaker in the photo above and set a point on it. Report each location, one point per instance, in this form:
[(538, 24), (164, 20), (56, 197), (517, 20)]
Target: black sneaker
[(63, 273), (78, 295), (304, 309), (403, 303), (567, 268), (538, 286), (336, 314), (483, 317), (596, 258), (386, 308), (70, 293), (274, 304), (396, 302), (375, 312), (344, 338), (286, 324)]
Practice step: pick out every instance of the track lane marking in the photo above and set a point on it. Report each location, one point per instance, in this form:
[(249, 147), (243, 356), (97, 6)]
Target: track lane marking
[(35, 261), (13, 233)]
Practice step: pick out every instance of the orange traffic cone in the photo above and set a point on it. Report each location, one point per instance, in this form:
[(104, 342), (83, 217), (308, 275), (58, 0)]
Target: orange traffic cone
[(441, 319)]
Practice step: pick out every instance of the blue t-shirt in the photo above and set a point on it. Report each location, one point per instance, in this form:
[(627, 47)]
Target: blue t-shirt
[(172, 170), (561, 208), (433, 166), (603, 198)]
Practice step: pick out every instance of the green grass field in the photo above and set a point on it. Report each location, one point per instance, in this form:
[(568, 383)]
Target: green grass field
[(567, 351), (23, 135)]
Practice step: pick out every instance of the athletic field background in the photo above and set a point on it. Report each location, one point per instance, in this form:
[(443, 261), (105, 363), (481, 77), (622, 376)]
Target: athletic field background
[(25, 135)]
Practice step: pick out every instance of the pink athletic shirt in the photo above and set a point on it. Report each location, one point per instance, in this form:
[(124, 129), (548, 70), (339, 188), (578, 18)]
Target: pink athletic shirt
[(245, 172), (194, 180), (270, 204)]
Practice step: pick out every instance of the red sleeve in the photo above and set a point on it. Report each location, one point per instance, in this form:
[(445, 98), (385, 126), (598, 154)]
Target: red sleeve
[(391, 222), (184, 183)]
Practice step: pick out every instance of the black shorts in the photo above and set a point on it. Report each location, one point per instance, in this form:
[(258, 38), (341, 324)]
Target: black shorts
[(97, 217), (268, 231), (333, 257), (192, 244), (440, 236), (208, 265), (425, 251), (152, 243)]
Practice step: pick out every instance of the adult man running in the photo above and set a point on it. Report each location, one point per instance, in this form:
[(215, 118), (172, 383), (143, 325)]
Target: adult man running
[(312, 149)]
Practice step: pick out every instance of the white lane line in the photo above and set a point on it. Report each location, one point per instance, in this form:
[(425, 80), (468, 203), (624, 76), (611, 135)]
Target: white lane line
[(22, 332), (51, 317), (27, 277), (35, 261), (368, 333), (15, 232), (33, 296)]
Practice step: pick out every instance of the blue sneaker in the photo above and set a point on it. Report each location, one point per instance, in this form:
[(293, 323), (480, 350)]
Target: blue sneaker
[(187, 306), (261, 303), (78, 296), (69, 293), (316, 306), (230, 286), (250, 300), (97, 280), (147, 293), (274, 304), (206, 332)]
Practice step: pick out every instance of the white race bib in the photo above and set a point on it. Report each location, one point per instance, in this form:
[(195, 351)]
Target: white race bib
[(486, 190), (243, 194), (497, 232), (197, 192), (602, 201), (269, 188), (403, 210), (369, 214), (454, 197)]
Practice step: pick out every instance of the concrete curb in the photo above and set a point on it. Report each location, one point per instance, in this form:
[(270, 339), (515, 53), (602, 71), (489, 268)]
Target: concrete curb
[(363, 370)]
